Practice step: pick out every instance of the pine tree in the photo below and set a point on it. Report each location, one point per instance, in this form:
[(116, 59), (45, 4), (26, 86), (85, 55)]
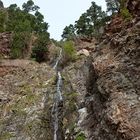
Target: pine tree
[(113, 6), (68, 32), (3, 20), (24, 26), (90, 22), (30, 6), (97, 18), (83, 25)]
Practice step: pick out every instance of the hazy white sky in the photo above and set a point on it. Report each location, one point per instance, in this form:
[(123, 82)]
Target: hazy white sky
[(60, 13)]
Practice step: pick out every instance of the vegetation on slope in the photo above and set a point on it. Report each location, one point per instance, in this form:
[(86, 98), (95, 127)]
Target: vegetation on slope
[(28, 28), (92, 22), (88, 25), (30, 36)]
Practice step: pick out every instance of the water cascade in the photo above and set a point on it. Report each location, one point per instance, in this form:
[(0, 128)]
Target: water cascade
[(58, 102), (58, 59)]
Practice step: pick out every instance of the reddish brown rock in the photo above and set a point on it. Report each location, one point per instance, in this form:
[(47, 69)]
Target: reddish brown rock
[(134, 7)]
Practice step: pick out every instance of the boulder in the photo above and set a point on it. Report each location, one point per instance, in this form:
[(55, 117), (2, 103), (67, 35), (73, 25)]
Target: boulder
[(83, 52)]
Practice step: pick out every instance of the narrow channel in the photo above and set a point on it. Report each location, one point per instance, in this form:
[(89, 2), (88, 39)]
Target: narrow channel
[(58, 100)]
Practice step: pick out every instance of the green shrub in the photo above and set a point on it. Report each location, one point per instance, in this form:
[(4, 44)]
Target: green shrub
[(6, 136), (24, 27), (3, 18), (39, 53), (40, 50), (81, 136), (124, 11), (69, 51), (20, 44), (125, 14)]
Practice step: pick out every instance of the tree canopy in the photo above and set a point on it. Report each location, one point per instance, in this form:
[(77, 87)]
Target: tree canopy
[(24, 24), (29, 6), (68, 32), (113, 6), (88, 24)]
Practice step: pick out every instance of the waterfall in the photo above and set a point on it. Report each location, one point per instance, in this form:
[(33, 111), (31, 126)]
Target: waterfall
[(58, 59), (59, 84), (58, 98)]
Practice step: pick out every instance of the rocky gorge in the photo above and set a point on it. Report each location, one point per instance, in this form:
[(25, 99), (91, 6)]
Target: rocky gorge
[(98, 92)]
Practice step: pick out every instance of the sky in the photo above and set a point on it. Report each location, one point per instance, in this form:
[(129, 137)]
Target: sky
[(60, 13)]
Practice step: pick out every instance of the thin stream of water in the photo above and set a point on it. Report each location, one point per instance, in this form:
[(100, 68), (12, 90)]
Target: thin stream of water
[(58, 96)]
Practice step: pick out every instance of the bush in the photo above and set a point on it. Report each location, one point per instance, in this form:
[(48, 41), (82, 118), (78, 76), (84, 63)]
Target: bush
[(3, 18), (81, 136), (69, 51), (25, 23), (39, 53), (125, 14), (124, 11), (20, 44)]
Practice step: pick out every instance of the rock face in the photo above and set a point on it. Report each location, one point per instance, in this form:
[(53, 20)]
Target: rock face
[(107, 84), (75, 77), (100, 89), (26, 98), (134, 7), (5, 39), (113, 87)]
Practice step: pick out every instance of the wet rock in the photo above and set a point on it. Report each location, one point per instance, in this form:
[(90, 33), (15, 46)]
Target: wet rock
[(75, 80)]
